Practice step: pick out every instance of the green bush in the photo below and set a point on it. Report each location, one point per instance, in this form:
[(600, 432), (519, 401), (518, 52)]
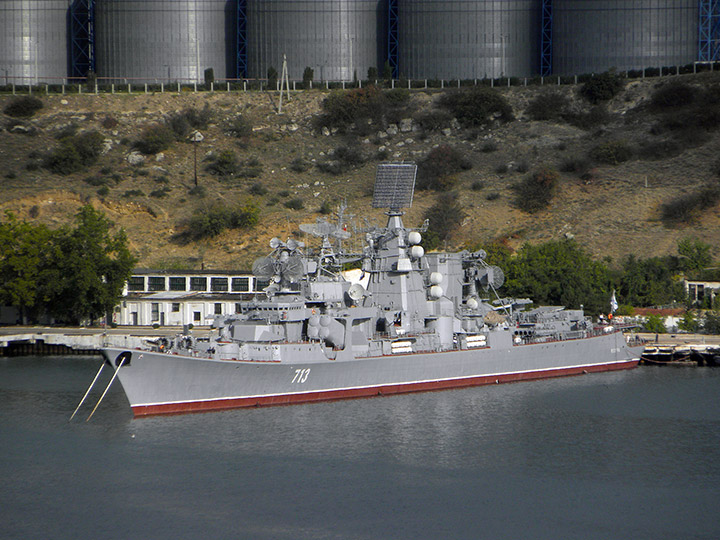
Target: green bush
[(688, 208), (342, 108), (535, 192), (154, 139), (134, 193), (308, 75), (433, 120), (224, 164), (577, 165), (75, 153), (294, 204), (550, 105), (209, 223), (240, 127), (612, 152), (587, 120), (445, 216), (477, 106), (299, 165), (602, 87), (23, 107), (258, 189), (437, 169), (672, 95)]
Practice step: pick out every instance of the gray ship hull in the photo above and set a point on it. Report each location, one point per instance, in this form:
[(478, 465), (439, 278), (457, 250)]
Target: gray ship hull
[(159, 383)]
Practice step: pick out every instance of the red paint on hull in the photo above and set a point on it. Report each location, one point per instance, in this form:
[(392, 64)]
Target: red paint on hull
[(331, 395)]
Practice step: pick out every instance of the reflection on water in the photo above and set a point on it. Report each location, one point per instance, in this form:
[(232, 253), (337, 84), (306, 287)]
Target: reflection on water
[(618, 455)]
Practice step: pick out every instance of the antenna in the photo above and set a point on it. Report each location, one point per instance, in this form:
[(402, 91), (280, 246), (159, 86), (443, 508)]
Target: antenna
[(394, 186)]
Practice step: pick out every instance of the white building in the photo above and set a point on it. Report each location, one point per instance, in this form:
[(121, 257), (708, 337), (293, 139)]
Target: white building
[(697, 291), (173, 298)]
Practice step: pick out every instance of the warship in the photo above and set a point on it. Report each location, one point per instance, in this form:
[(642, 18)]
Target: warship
[(408, 321)]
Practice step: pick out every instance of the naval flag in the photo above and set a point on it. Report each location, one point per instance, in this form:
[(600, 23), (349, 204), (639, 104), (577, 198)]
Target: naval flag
[(613, 303)]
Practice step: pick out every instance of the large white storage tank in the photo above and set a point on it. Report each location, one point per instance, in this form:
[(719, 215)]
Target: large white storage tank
[(34, 41), (164, 40)]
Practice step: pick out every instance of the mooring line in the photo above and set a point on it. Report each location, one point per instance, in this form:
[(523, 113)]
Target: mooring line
[(107, 388), (88, 391)]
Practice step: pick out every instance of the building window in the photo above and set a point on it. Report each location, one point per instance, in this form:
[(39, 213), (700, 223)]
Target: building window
[(154, 312), (178, 284), (156, 283), (196, 316), (176, 307), (219, 284), (240, 284), (238, 307), (198, 284), (136, 283), (218, 308), (261, 284)]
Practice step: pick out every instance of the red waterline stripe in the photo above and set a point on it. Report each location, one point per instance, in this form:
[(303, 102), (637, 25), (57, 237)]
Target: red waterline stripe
[(348, 393)]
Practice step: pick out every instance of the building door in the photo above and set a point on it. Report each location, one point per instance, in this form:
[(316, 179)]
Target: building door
[(133, 318)]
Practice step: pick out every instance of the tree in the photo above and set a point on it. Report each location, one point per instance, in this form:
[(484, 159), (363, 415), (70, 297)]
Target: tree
[(711, 324), (655, 325), (24, 251), (445, 216), (650, 282), (559, 273), (308, 75), (272, 77), (694, 254), (89, 270), (689, 322)]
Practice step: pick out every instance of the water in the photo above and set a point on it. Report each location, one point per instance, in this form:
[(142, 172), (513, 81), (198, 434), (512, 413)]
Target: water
[(620, 455)]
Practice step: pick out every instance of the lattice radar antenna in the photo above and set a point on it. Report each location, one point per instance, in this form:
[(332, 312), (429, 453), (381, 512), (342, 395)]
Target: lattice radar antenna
[(394, 186)]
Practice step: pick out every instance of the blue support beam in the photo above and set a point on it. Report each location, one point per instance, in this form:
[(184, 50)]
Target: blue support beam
[(392, 37), (242, 61), (709, 31), (82, 38), (546, 39)]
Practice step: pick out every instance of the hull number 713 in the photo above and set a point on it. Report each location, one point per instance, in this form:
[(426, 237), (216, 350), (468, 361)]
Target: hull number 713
[(301, 375)]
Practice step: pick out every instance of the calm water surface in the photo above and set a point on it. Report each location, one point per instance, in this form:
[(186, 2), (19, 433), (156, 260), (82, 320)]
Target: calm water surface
[(631, 455)]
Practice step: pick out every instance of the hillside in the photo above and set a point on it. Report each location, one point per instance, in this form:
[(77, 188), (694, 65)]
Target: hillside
[(613, 210)]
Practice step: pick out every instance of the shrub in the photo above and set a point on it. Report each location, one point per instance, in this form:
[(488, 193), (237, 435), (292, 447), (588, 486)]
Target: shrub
[(134, 193), (325, 208), (602, 87), (103, 191), (224, 164), (489, 146), (594, 118), (160, 193), (612, 152), (547, 106), (477, 106), (23, 107), (397, 96), (672, 95), (492, 196), (436, 170), (353, 106), (154, 139), (109, 122), (198, 191), (299, 165), (477, 185), (433, 120), (75, 153), (578, 165), (294, 204), (258, 189), (688, 208), (208, 223), (445, 216), (239, 127), (308, 75), (535, 192)]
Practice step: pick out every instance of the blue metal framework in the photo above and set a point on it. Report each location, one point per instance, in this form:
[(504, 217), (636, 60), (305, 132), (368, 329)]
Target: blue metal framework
[(392, 37), (546, 39), (709, 31), (82, 38), (242, 60)]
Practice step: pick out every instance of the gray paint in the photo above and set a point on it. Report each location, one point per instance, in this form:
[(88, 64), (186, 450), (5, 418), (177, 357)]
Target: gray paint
[(468, 39), (596, 35), (34, 41), (338, 39), (164, 40)]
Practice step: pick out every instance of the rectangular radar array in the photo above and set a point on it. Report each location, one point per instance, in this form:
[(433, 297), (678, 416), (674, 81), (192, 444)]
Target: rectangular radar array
[(394, 185)]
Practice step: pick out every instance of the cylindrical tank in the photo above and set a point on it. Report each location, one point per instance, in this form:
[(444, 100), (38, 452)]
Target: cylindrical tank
[(468, 39), (592, 36), (34, 41), (337, 39), (164, 40)]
